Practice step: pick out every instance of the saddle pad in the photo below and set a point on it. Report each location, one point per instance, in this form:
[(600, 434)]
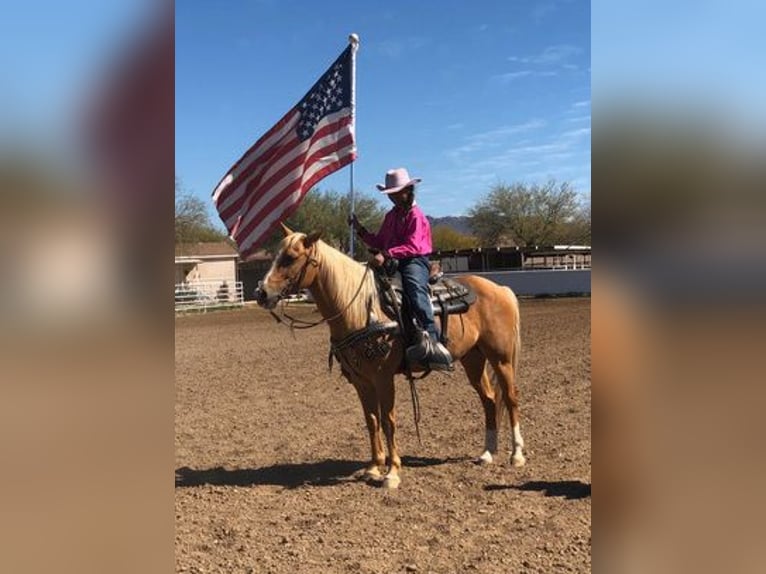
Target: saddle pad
[(447, 295)]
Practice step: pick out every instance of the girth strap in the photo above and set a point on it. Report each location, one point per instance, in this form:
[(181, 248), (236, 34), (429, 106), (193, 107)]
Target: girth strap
[(358, 336)]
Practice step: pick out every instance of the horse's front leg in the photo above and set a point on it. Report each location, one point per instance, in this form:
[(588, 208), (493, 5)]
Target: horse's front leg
[(387, 399), (369, 399)]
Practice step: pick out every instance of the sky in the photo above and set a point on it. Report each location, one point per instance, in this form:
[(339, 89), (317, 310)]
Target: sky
[(465, 95)]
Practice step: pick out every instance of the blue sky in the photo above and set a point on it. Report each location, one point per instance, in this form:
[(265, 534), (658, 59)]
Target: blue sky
[(463, 94)]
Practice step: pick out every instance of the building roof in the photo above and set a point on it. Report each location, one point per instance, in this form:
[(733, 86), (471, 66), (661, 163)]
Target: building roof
[(216, 249)]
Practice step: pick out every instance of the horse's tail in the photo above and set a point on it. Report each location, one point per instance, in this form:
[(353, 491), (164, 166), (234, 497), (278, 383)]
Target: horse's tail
[(500, 406), (516, 334)]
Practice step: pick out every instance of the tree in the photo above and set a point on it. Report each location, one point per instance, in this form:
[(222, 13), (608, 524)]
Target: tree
[(580, 230), (192, 221), (446, 239), (328, 211), (527, 215)]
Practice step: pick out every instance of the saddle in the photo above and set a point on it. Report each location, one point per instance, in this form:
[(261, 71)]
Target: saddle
[(448, 297)]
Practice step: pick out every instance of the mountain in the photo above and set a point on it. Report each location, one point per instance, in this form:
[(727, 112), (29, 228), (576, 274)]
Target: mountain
[(460, 223)]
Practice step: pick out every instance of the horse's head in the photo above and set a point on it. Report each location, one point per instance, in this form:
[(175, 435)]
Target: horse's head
[(294, 268)]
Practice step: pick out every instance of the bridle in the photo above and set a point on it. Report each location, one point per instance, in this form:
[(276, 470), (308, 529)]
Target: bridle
[(292, 288)]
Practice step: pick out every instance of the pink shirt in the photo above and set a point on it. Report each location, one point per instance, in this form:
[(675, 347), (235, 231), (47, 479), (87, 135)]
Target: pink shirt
[(402, 234)]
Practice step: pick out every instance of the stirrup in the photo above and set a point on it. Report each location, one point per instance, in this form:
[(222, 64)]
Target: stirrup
[(440, 358), (419, 351)]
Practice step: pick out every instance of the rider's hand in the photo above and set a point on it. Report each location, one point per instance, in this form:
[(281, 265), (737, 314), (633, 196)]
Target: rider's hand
[(377, 260)]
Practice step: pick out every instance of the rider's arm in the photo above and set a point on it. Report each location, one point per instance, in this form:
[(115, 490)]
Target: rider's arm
[(416, 239)]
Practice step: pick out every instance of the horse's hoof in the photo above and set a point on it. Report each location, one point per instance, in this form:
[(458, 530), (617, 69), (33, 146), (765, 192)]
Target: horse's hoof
[(518, 460), (485, 458), (391, 482), (368, 475), (371, 474)]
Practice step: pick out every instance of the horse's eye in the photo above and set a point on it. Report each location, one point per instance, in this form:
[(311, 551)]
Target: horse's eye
[(285, 260)]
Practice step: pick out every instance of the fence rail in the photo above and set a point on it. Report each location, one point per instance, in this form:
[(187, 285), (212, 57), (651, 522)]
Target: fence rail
[(204, 295)]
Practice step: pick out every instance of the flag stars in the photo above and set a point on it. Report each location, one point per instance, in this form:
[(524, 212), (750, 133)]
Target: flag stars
[(328, 96)]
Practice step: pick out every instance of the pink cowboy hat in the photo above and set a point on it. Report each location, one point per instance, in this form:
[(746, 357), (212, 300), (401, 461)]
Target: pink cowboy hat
[(396, 180)]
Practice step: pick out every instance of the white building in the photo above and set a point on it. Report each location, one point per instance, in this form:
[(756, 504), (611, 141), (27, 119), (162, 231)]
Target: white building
[(205, 262)]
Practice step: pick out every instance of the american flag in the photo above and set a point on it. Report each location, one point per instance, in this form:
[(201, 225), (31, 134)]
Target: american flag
[(310, 142)]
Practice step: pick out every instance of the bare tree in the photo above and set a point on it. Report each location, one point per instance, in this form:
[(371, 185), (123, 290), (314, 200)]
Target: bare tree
[(192, 221)]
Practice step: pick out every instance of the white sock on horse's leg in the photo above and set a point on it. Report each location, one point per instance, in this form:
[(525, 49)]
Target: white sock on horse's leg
[(490, 446), (517, 444), (391, 480)]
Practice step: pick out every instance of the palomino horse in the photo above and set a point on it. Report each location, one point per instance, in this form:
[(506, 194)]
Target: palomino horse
[(347, 297)]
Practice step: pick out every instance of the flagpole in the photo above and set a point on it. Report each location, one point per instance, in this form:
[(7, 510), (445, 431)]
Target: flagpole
[(354, 41)]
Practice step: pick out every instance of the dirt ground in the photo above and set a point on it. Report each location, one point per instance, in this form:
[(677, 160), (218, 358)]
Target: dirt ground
[(268, 441)]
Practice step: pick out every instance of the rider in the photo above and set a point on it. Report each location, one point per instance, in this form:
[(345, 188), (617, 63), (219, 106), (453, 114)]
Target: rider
[(405, 235)]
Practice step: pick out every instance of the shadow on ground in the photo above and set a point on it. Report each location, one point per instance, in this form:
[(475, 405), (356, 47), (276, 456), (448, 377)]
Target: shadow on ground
[(570, 489), (321, 473)]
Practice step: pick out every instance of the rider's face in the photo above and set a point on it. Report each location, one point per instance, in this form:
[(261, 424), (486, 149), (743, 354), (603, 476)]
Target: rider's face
[(402, 197)]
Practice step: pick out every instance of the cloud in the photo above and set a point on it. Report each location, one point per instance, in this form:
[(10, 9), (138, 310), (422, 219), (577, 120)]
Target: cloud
[(496, 155), (492, 138), (552, 60), (553, 55), (578, 119), (576, 133), (510, 76), (509, 130)]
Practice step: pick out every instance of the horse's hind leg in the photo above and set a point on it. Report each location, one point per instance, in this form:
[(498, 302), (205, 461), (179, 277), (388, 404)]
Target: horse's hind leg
[(371, 408), (474, 364), (507, 378)]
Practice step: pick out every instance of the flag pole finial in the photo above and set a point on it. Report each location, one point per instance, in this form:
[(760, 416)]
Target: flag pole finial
[(354, 39)]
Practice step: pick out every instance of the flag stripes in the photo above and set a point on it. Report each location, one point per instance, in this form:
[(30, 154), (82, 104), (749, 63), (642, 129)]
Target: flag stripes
[(311, 141)]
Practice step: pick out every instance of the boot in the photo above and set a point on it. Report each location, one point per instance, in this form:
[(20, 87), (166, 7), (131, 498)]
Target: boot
[(429, 352), (419, 351), (440, 358)]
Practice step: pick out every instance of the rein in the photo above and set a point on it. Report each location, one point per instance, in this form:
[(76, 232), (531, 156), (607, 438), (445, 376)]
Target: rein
[(407, 370), (295, 322)]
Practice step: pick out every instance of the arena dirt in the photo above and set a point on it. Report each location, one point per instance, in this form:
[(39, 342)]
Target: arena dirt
[(268, 442)]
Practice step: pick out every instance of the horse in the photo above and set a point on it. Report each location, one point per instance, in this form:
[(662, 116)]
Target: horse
[(347, 298)]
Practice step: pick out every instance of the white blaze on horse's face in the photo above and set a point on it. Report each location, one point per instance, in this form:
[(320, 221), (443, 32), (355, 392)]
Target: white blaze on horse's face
[(288, 273)]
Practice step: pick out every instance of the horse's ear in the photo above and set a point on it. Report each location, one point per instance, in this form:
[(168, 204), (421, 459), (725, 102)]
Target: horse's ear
[(311, 238), (286, 230)]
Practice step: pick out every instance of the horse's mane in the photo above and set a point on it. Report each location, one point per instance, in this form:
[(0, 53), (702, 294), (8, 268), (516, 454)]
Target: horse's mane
[(342, 277)]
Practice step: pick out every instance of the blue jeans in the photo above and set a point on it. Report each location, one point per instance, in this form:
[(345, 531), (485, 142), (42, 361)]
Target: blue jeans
[(415, 271)]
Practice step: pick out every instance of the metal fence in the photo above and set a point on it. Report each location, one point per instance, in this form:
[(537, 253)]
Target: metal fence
[(204, 295)]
